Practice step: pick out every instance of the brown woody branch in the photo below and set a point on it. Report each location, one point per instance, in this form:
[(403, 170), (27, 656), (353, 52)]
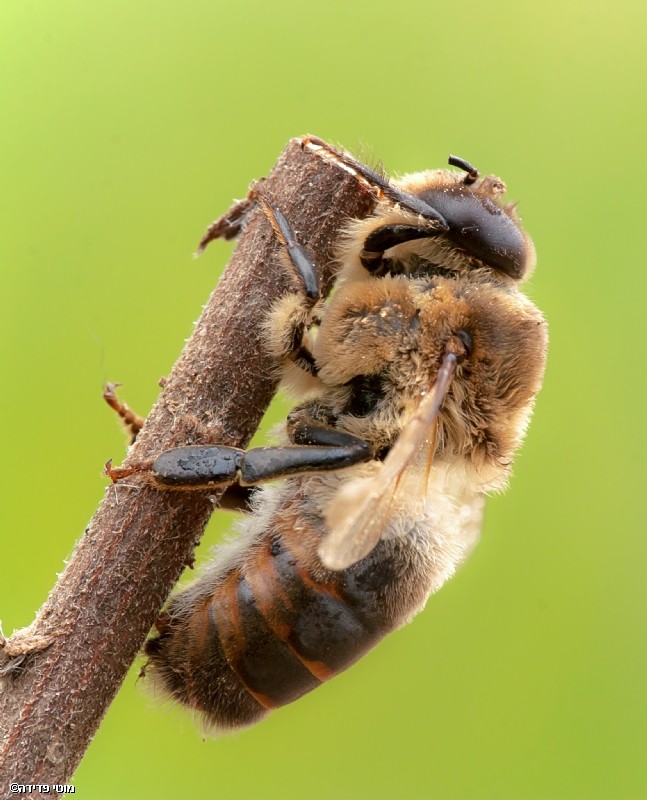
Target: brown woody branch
[(63, 671)]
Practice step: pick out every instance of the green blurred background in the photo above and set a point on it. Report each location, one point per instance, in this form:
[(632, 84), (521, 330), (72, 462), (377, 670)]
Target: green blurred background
[(127, 126)]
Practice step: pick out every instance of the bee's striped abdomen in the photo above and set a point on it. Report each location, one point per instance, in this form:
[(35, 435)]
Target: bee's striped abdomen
[(272, 628), (262, 662), (282, 632)]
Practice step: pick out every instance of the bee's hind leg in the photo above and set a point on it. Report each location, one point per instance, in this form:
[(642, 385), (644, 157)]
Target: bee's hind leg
[(210, 466)]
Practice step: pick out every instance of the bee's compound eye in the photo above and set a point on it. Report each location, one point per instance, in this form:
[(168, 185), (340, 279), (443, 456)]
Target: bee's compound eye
[(482, 228)]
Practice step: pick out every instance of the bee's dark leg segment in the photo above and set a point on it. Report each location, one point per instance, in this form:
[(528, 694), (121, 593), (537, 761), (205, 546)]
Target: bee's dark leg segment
[(404, 199), (304, 359), (270, 463), (211, 466), (303, 430), (387, 236), (298, 255), (368, 174), (306, 270), (197, 467), (297, 352), (177, 468)]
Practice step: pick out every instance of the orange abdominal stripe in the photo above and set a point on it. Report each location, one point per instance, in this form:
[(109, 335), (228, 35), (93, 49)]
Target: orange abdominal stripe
[(263, 663)]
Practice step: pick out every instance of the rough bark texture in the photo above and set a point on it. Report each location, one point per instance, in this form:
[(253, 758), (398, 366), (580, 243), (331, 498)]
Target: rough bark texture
[(63, 671)]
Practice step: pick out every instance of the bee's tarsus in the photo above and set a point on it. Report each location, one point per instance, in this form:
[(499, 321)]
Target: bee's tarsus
[(117, 474), (132, 422)]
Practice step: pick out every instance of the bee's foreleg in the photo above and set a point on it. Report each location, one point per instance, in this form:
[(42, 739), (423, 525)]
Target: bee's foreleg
[(215, 465), (387, 236), (384, 188)]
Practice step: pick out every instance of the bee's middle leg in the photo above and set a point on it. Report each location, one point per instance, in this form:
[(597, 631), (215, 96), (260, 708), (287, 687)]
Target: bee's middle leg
[(290, 318)]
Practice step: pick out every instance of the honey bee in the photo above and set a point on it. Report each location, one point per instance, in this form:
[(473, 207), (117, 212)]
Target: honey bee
[(416, 381)]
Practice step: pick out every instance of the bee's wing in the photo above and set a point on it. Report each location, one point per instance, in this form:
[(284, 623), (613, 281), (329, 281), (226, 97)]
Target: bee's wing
[(357, 516)]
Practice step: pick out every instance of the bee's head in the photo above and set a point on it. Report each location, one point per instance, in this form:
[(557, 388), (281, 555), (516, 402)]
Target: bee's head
[(440, 222), (478, 224)]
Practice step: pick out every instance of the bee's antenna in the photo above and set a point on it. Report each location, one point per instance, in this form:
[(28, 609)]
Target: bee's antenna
[(472, 172)]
